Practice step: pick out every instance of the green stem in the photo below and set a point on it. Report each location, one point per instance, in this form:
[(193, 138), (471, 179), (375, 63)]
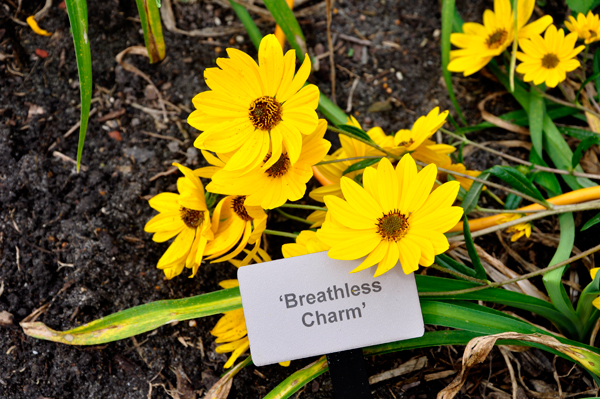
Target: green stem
[(368, 142), (507, 211), (538, 215), (494, 197), (513, 55), (348, 159), (566, 103), (292, 217), (516, 279), (458, 274), (280, 233), (299, 206)]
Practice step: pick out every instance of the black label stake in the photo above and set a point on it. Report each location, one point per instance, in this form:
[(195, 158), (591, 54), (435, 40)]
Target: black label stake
[(349, 375)]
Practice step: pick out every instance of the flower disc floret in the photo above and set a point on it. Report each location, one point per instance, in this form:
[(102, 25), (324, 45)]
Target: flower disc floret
[(392, 226), (265, 113)]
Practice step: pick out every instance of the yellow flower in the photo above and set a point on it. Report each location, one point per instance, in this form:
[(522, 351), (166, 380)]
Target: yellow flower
[(35, 27), (252, 109), (549, 59), (231, 331), (518, 230), (423, 129), (460, 168), (317, 217), (183, 215), (282, 181), (234, 223), (307, 242), (480, 43), (586, 27), (394, 217)]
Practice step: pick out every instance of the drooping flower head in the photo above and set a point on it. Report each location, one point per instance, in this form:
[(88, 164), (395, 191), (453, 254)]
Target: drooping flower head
[(394, 217), (306, 243), (235, 225), (478, 43), (518, 230), (282, 181), (183, 215), (253, 110), (587, 26), (549, 59), (231, 331)]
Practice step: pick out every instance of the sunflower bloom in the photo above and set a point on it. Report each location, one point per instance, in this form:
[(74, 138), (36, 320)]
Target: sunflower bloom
[(235, 225), (183, 215), (518, 230), (478, 43), (587, 26), (307, 242), (549, 59), (282, 181), (252, 109), (231, 331), (395, 217)]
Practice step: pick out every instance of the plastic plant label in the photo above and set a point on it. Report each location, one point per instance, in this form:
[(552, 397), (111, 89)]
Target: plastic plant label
[(310, 305)]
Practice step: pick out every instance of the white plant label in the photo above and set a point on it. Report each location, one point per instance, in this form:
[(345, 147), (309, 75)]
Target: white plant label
[(310, 305)]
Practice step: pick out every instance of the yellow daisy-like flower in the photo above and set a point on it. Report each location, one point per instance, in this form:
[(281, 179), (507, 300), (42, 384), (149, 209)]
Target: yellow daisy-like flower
[(518, 230), (252, 110), (231, 332), (587, 26), (549, 59), (183, 215), (593, 271), (235, 224), (282, 181), (307, 242), (480, 43), (394, 217), (424, 128)]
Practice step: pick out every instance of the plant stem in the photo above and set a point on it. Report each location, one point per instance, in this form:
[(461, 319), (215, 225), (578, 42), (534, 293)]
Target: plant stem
[(292, 217), (368, 142), (348, 159), (559, 209), (494, 197), (488, 183), (299, 206), (280, 233), (518, 160), (507, 211), (457, 274), (516, 279), (566, 103)]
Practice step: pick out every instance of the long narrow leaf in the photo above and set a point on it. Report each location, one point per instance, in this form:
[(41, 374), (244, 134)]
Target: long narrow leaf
[(593, 221), (287, 21), (448, 13), (449, 263), (517, 180), (251, 28), (583, 147), (78, 17), (360, 165), (152, 27), (472, 198), (140, 319), (300, 378), (536, 121), (479, 270), (545, 179), (353, 130)]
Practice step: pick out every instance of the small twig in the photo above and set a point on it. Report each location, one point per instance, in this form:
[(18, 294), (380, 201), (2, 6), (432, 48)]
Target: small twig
[(18, 262), (514, 280), (66, 158), (565, 103), (160, 136), (165, 173), (457, 274), (519, 160), (511, 371), (354, 40), (42, 13), (349, 103), (507, 211)]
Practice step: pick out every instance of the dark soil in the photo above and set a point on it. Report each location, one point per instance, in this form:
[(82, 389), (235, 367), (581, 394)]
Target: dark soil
[(74, 242)]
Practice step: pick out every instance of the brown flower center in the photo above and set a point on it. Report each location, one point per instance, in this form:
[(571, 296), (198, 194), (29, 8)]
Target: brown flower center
[(191, 217), (550, 61), (265, 113), (237, 204), (393, 226), (280, 167), (496, 39), (592, 33), (406, 143)]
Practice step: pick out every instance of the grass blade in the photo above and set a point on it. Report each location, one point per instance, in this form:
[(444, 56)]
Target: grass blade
[(537, 111), (479, 270), (139, 319), (472, 198), (78, 17), (152, 27), (248, 22), (297, 380), (289, 24), (448, 18)]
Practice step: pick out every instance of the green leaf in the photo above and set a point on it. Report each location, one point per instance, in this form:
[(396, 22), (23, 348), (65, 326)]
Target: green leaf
[(289, 24), (586, 311), (594, 76), (537, 110), (77, 10), (332, 112), (360, 165), (447, 262), (583, 147), (596, 66), (140, 319), (516, 180), (512, 201), (248, 22), (448, 18), (479, 270), (472, 198), (152, 27), (580, 6), (545, 179), (354, 131), (552, 280), (297, 380), (593, 221), (578, 133)]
